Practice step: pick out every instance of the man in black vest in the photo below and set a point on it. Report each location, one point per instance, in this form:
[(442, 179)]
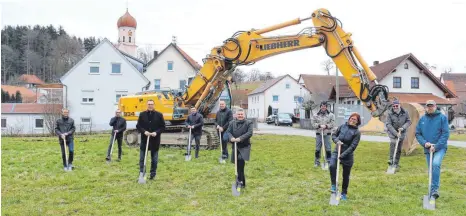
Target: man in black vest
[(150, 124), (224, 116), (195, 121), (240, 131), (119, 126)]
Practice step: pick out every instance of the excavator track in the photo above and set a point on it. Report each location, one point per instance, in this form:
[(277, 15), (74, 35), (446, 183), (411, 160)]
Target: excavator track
[(177, 137)]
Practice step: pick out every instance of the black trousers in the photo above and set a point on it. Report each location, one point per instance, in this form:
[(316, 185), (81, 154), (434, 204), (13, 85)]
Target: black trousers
[(398, 150), (70, 147), (224, 146), (197, 138), (346, 165), (118, 139), (241, 177), (154, 156)]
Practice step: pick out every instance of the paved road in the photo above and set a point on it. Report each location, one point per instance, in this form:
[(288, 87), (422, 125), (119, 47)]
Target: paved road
[(287, 130)]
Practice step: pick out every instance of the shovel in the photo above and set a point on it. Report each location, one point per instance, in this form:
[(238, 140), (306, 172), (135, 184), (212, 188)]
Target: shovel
[(187, 156), (111, 148), (324, 165), (391, 169), (429, 201), (66, 156), (335, 196), (235, 190), (142, 174), (221, 160)]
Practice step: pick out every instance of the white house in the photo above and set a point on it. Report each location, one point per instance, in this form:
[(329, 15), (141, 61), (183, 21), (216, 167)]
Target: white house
[(95, 84), (408, 80), (281, 93), (28, 118), (171, 69)]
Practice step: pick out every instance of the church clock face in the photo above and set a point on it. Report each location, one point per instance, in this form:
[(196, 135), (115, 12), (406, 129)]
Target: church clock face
[(130, 33)]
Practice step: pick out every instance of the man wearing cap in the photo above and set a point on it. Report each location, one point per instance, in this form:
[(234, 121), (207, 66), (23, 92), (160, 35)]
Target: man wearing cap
[(324, 122), (397, 124), (432, 133)]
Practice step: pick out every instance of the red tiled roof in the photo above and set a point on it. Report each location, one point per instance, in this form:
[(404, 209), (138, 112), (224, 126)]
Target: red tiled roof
[(456, 82), (30, 79), (321, 84), (240, 95), (30, 108), (420, 98), (28, 95), (188, 58)]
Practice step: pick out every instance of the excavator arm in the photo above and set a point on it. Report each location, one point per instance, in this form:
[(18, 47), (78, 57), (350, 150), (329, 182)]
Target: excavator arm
[(248, 47)]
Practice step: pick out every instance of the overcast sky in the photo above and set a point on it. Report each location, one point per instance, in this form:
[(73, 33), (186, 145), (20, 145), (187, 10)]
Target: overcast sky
[(431, 30)]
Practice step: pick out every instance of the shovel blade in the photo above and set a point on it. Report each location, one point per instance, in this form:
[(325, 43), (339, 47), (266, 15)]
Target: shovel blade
[(391, 170), (428, 203), (141, 180), (235, 191), (187, 158), (221, 160), (324, 166), (334, 199)]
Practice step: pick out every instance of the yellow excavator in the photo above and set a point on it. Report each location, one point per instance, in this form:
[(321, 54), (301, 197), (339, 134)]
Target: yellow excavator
[(246, 48)]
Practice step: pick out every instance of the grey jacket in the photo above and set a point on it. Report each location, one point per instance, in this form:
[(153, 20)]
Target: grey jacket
[(324, 118), (196, 120), (223, 118), (65, 125), (395, 121)]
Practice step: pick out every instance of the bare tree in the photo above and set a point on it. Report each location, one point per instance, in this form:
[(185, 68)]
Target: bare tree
[(327, 65), (15, 129), (238, 76), (430, 66), (145, 54), (8, 58), (254, 75), (447, 69)]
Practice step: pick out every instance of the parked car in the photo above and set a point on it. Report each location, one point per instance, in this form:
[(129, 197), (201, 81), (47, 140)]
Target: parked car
[(270, 119), (283, 119), (293, 117)]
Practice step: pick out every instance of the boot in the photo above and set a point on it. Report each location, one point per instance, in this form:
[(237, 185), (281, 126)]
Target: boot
[(317, 162), (197, 153)]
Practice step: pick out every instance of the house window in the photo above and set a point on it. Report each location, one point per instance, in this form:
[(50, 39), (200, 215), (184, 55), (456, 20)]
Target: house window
[(39, 123), (275, 98), (182, 84), (87, 96), (119, 94), (86, 120), (157, 84), (296, 98), (190, 79), (414, 82), (123, 38), (170, 66), (287, 85), (396, 82), (3, 123), (406, 65), (129, 39), (94, 69), (116, 68)]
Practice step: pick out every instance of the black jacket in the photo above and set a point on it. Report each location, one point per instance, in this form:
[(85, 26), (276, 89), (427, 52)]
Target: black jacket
[(350, 136), (197, 120), (223, 118), (118, 123), (151, 121), (65, 125), (242, 129)]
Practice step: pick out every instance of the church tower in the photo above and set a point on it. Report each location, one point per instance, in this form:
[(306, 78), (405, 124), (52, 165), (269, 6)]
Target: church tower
[(127, 34)]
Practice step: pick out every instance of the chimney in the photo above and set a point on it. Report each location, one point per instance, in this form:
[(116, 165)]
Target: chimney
[(376, 62), (156, 53)]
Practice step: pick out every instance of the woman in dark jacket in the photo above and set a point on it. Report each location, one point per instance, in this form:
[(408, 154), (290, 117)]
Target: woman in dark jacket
[(348, 136)]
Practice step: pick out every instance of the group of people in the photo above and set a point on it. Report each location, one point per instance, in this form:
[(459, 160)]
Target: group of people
[(432, 133)]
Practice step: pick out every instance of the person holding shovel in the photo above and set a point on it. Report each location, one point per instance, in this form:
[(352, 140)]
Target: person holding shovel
[(346, 138), (118, 127), (195, 121), (324, 122), (397, 124), (240, 131), (224, 116), (64, 129), (150, 124), (432, 133)]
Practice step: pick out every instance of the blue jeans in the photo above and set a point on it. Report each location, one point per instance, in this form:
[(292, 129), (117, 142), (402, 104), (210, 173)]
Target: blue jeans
[(437, 158), (70, 146), (154, 155)]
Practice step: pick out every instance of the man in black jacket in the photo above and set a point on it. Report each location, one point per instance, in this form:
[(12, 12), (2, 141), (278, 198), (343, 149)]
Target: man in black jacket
[(64, 129), (224, 116), (240, 131), (195, 121), (119, 126), (150, 124)]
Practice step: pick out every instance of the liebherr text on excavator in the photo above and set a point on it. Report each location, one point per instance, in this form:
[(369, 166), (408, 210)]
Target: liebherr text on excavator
[(246, 48)]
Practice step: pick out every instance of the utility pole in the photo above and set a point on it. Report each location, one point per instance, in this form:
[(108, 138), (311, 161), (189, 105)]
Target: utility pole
[(337, 101)]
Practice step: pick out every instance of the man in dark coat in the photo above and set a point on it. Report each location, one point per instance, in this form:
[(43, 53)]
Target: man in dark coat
[(195, 121), (150, 124), (224, 116), (119, 126), (397, 121), (65, 129), (240, 131)]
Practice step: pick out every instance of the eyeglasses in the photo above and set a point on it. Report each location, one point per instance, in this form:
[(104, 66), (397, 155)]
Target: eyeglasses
[(150, 104), (354, 119), (396, 106)]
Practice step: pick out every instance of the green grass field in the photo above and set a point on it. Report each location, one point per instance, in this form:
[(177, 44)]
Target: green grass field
[(281, 180)]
